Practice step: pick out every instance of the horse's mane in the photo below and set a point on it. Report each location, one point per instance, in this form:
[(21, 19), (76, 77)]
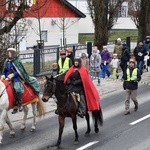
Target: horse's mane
[(59, 80)]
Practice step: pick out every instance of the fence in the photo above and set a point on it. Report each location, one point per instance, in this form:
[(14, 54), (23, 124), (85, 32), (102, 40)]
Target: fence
[(42, 58)]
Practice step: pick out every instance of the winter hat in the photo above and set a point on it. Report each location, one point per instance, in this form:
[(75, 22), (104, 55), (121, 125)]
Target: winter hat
[(105, 47), (119, 39), (140, 43), (54, 65), (69, 50)]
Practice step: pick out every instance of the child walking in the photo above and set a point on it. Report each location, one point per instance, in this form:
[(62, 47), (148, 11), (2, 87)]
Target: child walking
[(54, 69), (95, 61), (115, 64)]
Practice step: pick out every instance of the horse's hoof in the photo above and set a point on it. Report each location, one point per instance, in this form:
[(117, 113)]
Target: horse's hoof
[(96, 130), (12, 135), (87, 134), (1, 143), (32, 130), (76, 142), (54, 147), (22, 128)]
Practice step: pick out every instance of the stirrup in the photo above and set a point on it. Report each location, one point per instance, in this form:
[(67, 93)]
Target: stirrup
[(15, 110)]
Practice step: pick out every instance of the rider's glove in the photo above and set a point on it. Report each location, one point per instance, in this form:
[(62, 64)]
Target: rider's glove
[(2, 77), (10, 76)]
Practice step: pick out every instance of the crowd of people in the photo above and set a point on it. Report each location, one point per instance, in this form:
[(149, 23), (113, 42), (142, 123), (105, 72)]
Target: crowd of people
[(102, 64), (85, 69)]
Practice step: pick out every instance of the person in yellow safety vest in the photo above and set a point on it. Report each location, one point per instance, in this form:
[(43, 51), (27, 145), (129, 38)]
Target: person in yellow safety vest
[(64, 63), (131, 78)]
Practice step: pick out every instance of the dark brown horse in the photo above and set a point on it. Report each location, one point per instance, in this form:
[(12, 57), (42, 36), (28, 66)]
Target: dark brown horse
[(68, 106)]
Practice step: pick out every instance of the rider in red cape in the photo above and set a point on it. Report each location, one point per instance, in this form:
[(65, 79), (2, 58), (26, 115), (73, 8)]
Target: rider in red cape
[(90, 91)]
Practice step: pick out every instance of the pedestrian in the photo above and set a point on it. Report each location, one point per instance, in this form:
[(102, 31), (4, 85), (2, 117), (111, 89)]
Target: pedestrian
[(78, 81), (131, 78), (85, 60), (15, 72), (95, 62), (147, 61), (64, 63), (105, 55), (54, 69), (70, 54), (115, 65), (139, 53), (147, 44), (118, 48), (125, 56)]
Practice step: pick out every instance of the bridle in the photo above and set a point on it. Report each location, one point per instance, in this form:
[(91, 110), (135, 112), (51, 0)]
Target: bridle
[(53, 89)]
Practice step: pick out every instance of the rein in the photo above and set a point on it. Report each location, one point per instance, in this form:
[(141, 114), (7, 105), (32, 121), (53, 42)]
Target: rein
[(53, 88), (4, 89)]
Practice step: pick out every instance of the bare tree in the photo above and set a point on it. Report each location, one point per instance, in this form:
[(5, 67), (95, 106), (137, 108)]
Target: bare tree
[(139, 12), (104, 14)]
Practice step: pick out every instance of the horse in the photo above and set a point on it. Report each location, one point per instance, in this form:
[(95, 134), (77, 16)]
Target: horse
[(67, 106), (7, 100)]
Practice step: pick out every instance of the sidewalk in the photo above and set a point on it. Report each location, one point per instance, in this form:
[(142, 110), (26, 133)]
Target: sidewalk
[(107, 87)]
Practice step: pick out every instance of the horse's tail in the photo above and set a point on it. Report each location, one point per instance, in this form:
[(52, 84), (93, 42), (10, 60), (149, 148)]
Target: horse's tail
[(40, 108), (98, 115)]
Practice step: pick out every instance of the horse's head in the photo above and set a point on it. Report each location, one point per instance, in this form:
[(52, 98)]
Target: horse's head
[(49, 89)]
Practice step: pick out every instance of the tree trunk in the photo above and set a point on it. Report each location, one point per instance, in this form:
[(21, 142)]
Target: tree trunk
[(101, 21), (144, 20)]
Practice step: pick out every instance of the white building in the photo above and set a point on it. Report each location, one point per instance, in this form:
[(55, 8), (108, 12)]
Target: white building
[(56, 23), (124, 21)]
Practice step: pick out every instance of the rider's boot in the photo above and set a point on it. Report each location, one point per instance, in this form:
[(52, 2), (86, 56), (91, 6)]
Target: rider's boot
[(15, 110), (82, 107), (18, 102)]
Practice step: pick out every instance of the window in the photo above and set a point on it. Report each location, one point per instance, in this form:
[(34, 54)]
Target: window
[(44, 36)]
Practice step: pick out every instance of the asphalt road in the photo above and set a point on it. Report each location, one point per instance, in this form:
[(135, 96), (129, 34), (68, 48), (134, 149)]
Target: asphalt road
[(117, 132)]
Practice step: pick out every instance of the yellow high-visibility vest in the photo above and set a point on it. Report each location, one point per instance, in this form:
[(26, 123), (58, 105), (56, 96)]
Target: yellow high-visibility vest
[(133, 76), (63, 68)]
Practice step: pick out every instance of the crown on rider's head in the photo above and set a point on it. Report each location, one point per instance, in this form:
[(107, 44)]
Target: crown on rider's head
[(11, 49)]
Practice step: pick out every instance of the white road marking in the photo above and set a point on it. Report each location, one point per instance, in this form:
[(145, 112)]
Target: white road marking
[(141, 119), (87, 145)]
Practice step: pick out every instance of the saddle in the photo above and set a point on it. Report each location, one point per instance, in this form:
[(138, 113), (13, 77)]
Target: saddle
[(28, 96)]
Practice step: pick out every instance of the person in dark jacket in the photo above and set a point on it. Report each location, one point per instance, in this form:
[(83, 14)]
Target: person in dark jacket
[(125, 56), (139, 53), (78, 81), (131, 78), (105, 55), (147, 44)]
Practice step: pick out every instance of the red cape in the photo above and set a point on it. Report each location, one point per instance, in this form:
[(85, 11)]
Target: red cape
[(91, 93), (28, 96)]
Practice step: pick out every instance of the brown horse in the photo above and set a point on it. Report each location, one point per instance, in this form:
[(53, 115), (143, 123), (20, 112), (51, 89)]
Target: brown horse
[(67, 106)]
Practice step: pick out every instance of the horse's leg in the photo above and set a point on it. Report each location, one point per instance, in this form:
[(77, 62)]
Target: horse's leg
[(25, 110), (87, 117), (61, 127), (12, 132), (74, 121), (2, 122), (34, 117)]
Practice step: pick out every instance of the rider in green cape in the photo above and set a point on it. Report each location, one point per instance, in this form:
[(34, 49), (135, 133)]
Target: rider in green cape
[(14, 70)]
